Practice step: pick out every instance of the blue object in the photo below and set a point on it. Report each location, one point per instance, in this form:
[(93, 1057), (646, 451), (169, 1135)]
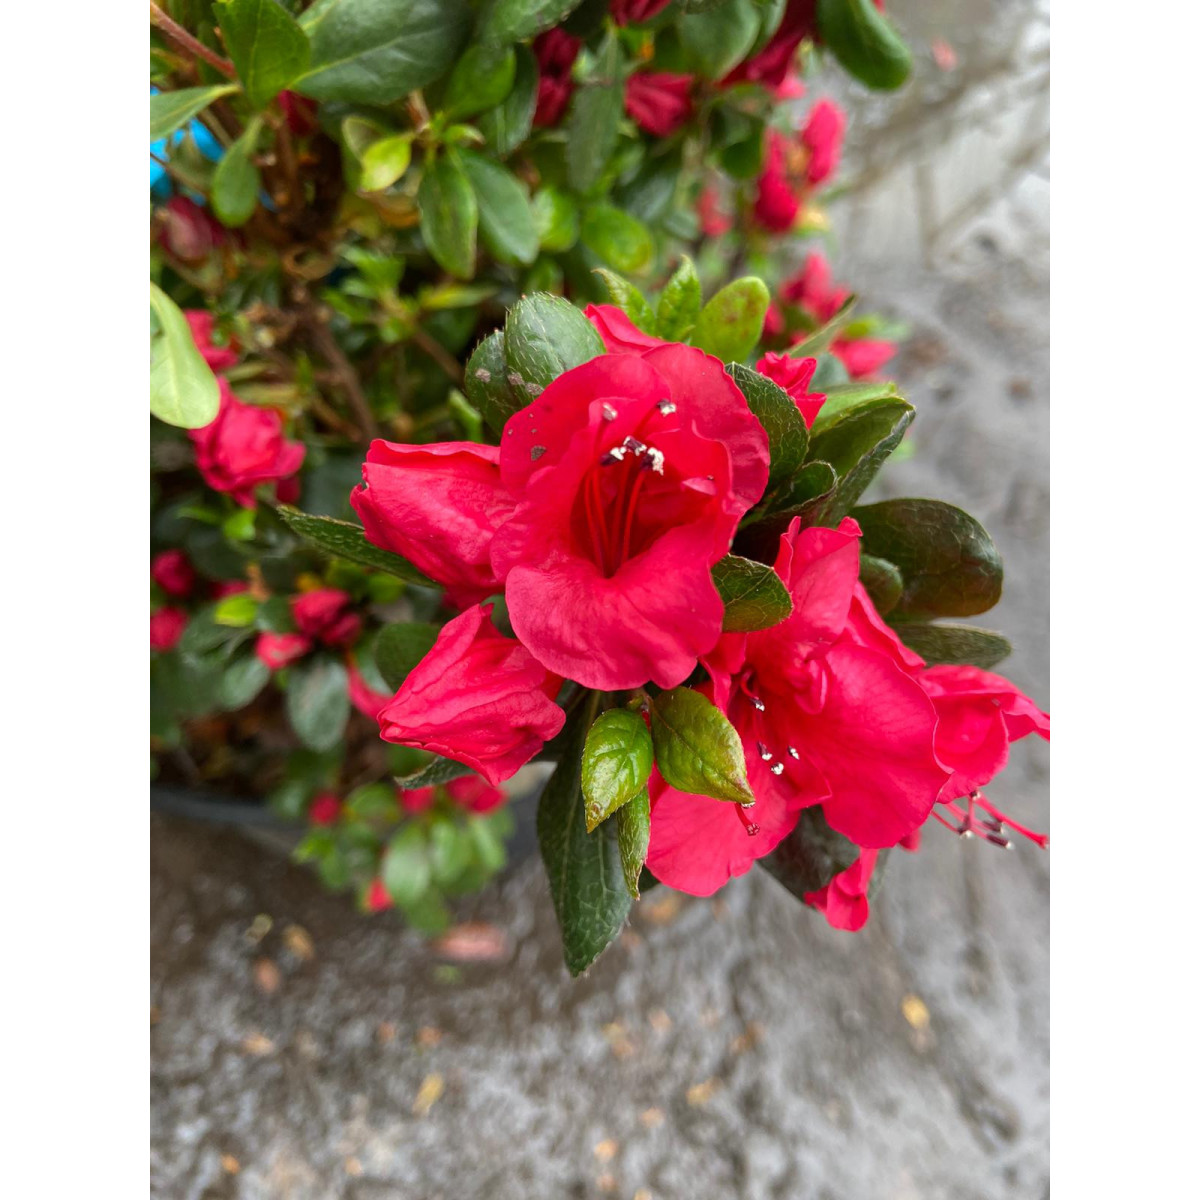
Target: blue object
[(160, 181)]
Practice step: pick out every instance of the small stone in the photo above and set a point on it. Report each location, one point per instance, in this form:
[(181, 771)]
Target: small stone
[(652, 1118), (428, 1036), (353, 1167), (259, 928), (428, 1094), (915, 1012), (266, 976), (257, 1044), (660, 1020), (700, 1094), (606, 1150), (230, 1165), (299, 942)]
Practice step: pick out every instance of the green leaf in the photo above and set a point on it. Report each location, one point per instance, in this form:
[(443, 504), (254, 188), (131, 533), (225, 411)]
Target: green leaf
[(865, 42), (819, 340), (594, 120), (318, 704), (481, 79), (811, 855), (949, 564), (241, 681), (506, 221), (556, 218), (882, 581), (716, 40), (786, 432), (237, 611), (343, 539), (399, 647), (372, 802), (507, 125), (585, 872), (236, 181), (730, 324), (441, 770), (617, 758), (450, 851), (449, 216), (754, 596), (619, 239), (516, 20), (696, 749), (956, 644), (629, 299), (376, 51), (633, 838), (266, 44), (405, 868), (759, 536), (486, 382), (856, 443), (183, 388), (544, 337), (679, 303), (171, 110), (384, 161)]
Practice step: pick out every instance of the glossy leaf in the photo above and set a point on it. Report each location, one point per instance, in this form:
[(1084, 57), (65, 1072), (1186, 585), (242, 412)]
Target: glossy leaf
[(267, 46), (865, 42), (405, 867), (241, 681), (730, 324), (507, 125), (594, 119), (786, 431), (617, 758), (556, 218), (506, 221), (620, 240), (515, 20), (811, 855), (717, 39), (882, 581), (183, 389), (236, 181), (318, 704), (633, 839), (696, 749), (399, 647), (449, 215), (384, 161), (754, 596), (679, 303), (955, 644), (440, 770), (170, 111), (629, 299), (949, 564), (481, 79), (545, 336), (344, 539), (486, 382)]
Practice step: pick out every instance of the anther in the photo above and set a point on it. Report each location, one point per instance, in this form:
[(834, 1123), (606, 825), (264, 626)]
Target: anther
[(793, 753), (666, 407), (631, 443), (777, 768), (654, 461), (608, 412), (616, 454), (758, 704), (764, 753)]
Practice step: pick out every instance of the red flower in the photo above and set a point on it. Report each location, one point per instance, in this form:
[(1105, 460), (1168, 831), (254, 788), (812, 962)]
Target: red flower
[(555, 51), (773, 323), (822, 137), (323, 616), (794, 375), (173, 573), (474, 794), (813, 290), (227, 587), (770, 66), (659, 102), (713, 221), (619, 334), (823, 719), (325, 809), (634, 12), (166, 628), (243, 447), (201, 323), (477, 697), (438, 506), (843, 899), (362, 695), (862, 356), (279, 650), (188, 231), (776, 205), (633, 471), (416, 800), (377, 898), (299, 111)]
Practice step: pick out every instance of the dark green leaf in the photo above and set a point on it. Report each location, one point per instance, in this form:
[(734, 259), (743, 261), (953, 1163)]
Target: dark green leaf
[(754, 596), (786, 431), (760, 532), (236, 181), (318, 704), (486, 382), (864, 41), (633, 838), (545, 336), (856, 443), (343, 539), (696, 749), (183, 389), (717, 39), (266, 44), (241, 681), (616, 237), (507, 125), (949, 564), (679, 303), (375, 51), (441, 770), (515, 20), (730, 324), (505, 216), (594, 120), (629, 299), (449, 215), (617, 758), (481, 79), (556, 218), (405, 868), (398, 648), (819, 340), (956, 644), (170, 110), (882, 581), (811, 855), (587, 882)]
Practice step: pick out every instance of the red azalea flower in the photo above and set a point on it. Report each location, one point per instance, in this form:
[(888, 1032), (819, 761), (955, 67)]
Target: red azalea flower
[(362, 695), (862, 357), (771, 65), (822, 137), (279, 650), (325, 809), (794, 375), (634, 12), (713, 221), (322, 615), (243, 447), (439, 506), (299, 111), (619, 334), (773, 323), (416, 800), (633, 471), (776, 205), (477, 697), (843, 899), (659, 102), (188, 231), (474, 794), (555, 51), (166, 628), (823, 719), (173, 573), (377, 898), (227, 587), (813, 290), (201, 323)]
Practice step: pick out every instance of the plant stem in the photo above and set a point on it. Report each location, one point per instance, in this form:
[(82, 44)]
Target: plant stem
[(326, 343), (185, 41), (439, 354)]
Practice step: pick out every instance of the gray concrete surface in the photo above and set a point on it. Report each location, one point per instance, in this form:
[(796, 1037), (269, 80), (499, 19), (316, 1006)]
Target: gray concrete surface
[(728, 1048)]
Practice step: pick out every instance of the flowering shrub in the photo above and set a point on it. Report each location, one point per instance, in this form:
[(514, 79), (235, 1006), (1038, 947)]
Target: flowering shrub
[(418, 520)]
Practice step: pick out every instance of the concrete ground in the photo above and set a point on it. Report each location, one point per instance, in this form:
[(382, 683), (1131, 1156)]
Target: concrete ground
[(734, 1047)]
